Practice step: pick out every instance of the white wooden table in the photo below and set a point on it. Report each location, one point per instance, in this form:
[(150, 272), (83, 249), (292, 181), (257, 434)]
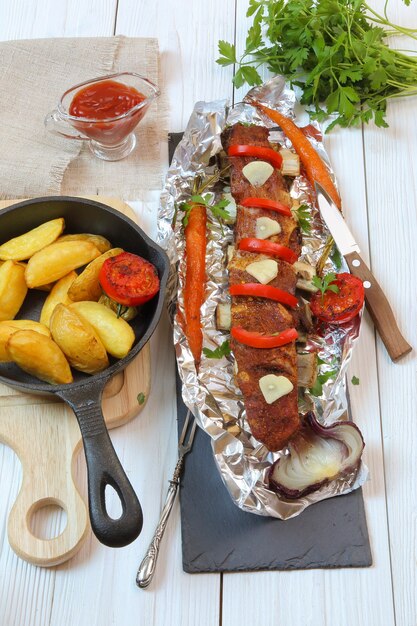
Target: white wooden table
[(377, 174)]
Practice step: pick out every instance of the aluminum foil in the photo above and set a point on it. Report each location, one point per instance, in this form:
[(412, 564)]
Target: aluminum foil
[(212, 394)]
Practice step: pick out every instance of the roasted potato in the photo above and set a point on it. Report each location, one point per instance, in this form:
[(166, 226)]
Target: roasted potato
[(13, 289), (58, 295), (116, 334), (78, 340), (100, 242), (57, 260), (9, 327), (26, 245), (86, 286), (39, 356)]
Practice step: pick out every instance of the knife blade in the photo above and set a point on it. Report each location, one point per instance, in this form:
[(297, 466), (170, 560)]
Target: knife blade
[(375, 299)]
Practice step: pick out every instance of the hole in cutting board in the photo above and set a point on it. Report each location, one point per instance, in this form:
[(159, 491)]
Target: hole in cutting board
[(113, 504), (48, 521)]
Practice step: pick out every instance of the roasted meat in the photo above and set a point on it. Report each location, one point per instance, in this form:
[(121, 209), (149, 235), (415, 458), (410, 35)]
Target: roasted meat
[(272, 424)]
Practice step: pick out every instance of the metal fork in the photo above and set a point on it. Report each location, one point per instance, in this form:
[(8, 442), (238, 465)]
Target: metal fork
[(147, 567)]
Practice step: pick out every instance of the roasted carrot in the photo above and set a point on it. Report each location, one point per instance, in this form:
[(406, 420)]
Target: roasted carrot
[(315, 168), (195, 277)]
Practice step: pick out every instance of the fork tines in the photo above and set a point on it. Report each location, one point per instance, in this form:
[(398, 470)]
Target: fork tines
[(183, 448)]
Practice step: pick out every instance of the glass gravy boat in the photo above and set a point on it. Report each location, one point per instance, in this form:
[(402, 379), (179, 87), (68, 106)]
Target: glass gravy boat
[(109, 137)]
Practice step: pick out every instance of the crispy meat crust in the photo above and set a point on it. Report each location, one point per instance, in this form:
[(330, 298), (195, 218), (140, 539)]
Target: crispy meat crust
[(272, 424)]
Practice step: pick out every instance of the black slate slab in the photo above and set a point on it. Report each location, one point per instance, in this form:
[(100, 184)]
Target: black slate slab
[(218, 537)]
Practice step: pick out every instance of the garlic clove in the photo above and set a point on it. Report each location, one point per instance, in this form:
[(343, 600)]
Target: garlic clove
[(264, 271), (274, 387), (265, 227), (257, 172)]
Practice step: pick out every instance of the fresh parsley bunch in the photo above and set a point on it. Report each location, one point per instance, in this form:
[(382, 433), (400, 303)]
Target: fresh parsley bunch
[(335, 50)]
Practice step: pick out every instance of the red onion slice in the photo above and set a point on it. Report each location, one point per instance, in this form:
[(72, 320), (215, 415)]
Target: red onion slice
[(317, 455)]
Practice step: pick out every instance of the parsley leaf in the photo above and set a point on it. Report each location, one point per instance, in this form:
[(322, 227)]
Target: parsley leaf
[(219, 352), (335, 50), (325, 284), (303, 216), (355, 380), (317, 388), (186, 208), (218, 209), (227, 52)]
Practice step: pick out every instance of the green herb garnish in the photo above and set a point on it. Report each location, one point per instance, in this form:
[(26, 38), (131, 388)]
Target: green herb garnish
[(141, 398), (303, 216), (200, 184), (325, 284), (219, 352), (336, 257), (218, 209), (355, 380), (317, 388), (335, 50)]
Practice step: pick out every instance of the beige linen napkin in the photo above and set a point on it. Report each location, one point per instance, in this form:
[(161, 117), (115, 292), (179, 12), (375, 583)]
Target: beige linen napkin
[(33, 75)]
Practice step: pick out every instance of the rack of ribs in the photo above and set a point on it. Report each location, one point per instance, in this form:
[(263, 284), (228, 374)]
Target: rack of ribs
[(272, 424)]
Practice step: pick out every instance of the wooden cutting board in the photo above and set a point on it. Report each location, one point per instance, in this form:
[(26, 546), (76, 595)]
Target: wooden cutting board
[(45, 435)]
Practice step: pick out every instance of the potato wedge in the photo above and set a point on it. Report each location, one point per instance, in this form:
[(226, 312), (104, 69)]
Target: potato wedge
[(54, 261), (116, 334), (86, 285), (58, 295), (13, 289), (78, 340), (25, 246), (39, 356), (9, 327), (100, 242)]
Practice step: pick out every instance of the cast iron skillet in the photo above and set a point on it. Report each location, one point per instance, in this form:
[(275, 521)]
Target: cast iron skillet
[(84, 394)]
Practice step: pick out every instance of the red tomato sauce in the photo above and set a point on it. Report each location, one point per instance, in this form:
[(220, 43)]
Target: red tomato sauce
[(104, 100), (108, 98)]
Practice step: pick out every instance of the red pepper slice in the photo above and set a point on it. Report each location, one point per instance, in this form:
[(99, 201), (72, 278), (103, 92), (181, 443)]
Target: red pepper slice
[(258, 340), (258, 152), (251, 244), (341, 307), (263, 291), (264, 203), (129, 279)]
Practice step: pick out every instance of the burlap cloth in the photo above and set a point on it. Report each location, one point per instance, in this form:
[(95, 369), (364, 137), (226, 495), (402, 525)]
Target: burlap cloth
[(33, 76)]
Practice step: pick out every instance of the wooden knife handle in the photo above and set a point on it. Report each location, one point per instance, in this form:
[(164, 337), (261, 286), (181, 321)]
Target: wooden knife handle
[(379, 308)]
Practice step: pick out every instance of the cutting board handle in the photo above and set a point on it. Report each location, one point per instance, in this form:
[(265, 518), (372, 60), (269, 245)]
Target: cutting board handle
[(103, 468), (47, 478), (46, 552)]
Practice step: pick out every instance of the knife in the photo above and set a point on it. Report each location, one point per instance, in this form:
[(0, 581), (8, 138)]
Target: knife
[(375, 299)]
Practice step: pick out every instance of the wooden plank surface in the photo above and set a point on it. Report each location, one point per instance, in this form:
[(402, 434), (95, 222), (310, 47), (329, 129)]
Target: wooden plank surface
[(377, 173), (325, 601), (391, 176)]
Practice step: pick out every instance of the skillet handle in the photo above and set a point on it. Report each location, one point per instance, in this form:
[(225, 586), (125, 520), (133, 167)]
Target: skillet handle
[(103, 468)]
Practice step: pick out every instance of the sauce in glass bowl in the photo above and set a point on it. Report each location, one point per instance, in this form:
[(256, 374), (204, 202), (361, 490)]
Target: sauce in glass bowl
[(108, 98), (101, 103), (104, 112)]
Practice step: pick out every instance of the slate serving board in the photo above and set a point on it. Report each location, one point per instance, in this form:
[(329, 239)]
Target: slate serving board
[(219, 537)]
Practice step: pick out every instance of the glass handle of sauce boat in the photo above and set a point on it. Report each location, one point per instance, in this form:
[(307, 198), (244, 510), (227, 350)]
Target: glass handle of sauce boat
[(57, 125)]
